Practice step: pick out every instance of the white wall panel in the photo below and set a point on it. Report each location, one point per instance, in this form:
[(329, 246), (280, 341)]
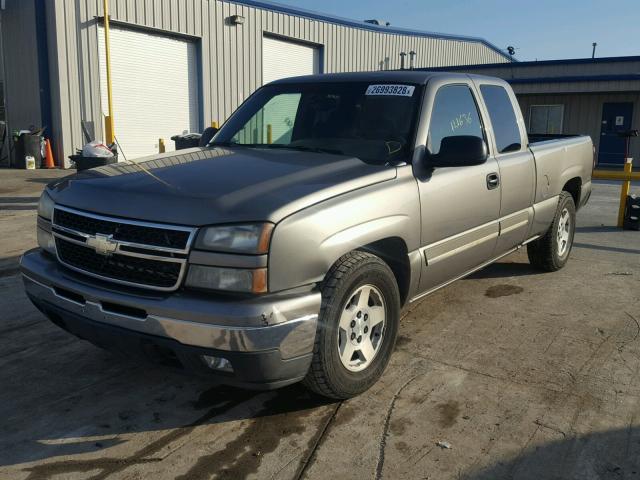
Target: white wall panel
[(281, 59)]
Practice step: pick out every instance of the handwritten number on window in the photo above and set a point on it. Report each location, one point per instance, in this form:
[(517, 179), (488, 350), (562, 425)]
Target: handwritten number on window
[(461, 121)]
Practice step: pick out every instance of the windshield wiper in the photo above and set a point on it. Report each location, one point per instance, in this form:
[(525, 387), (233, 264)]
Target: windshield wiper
[(302, 148)]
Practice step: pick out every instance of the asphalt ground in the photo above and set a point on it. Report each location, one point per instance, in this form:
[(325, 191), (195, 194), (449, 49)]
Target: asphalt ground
[(522, 374)]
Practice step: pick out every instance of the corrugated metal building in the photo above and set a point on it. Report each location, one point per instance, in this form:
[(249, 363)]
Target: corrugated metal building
[(599, 97), (179, 64)]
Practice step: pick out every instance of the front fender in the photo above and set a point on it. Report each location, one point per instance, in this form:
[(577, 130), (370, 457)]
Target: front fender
[(306, 244)]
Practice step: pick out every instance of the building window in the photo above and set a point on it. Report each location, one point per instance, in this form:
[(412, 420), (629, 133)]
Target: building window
[(546, 119)]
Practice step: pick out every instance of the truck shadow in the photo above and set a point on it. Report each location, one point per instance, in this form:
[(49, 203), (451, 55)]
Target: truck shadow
[(597, 229), (505, 269), (613, 454), (151, 405)]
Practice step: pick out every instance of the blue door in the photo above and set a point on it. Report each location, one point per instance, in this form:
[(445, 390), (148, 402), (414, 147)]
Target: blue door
[(616, 118)]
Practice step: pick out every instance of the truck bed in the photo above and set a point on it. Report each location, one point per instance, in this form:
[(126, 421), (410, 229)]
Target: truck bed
[(545, 137), (560, 159)]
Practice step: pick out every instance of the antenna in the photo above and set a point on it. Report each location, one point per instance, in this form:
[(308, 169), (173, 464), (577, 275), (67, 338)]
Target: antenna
[(593, 53)]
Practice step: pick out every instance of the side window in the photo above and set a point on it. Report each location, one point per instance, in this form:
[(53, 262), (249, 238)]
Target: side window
[(503, 118), (454, 114)]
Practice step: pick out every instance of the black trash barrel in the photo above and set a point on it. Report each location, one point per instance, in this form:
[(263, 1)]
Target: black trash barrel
[(186, 140), (28, 145), (84, 163)]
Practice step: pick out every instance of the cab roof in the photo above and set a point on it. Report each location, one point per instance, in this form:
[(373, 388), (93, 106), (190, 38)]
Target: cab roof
[(419, 77)]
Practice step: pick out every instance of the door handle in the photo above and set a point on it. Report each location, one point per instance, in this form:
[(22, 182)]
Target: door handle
[(493, 181)]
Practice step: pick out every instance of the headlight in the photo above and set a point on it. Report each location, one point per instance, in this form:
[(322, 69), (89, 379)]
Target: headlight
[(46, 241), (228, 279), (252, 238), (45, 206)]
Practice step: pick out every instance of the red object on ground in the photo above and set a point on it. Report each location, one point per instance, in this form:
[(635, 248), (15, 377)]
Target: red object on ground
[(49, 161)]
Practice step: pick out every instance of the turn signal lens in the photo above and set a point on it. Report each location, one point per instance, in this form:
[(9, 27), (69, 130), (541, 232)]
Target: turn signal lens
[(228, 279)]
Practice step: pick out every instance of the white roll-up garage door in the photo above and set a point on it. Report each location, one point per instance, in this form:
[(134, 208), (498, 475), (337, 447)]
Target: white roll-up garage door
[(155, 88), (281, 59)]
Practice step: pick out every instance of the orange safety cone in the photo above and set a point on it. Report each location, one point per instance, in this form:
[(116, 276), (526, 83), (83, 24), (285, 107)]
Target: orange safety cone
[(49, 162)]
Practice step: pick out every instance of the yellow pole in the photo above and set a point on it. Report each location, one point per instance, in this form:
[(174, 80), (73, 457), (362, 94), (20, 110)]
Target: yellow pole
[(269, 134), (109, 125), (214, 124), (624, 191), (161, 146), (616, 175)]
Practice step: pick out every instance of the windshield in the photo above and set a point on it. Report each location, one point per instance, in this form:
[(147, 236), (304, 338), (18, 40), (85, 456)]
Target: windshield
[(374, 122)]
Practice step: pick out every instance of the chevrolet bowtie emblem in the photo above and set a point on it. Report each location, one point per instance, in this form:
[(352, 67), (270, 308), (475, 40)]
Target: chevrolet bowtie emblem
[(103, 244)]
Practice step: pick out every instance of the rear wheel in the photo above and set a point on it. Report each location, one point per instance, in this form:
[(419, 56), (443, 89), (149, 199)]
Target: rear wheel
[(357, 326), (551, 251)]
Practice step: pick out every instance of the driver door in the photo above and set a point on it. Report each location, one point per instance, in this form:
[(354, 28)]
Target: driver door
[(460, 205)]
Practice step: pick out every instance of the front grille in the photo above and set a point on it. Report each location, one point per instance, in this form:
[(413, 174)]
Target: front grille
[(123, 268), (122, 230), (147, 255)]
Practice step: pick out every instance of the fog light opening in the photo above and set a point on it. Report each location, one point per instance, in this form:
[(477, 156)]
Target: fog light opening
[(217, 363)]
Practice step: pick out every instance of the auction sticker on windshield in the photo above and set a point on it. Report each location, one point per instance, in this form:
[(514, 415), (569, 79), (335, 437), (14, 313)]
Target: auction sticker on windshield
[(398, 90)]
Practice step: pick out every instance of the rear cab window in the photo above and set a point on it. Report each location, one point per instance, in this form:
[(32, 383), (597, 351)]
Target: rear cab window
[(503, 118)]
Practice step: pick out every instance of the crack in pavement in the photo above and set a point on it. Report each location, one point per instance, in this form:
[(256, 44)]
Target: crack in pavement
[(309, 460), (387, 422)]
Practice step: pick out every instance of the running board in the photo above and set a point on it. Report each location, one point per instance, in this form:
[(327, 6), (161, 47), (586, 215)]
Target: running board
[(473, 270)]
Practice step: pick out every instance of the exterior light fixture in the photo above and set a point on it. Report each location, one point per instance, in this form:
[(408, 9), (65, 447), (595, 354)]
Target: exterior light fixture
[(236, 19)]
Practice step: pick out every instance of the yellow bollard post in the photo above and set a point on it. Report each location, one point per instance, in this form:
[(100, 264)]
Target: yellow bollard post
[(214, 124), (161, 145), (269, 134), (624, 191), (108, 122)]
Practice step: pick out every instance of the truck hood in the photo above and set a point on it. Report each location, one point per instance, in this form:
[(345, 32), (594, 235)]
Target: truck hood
[(204, 186)]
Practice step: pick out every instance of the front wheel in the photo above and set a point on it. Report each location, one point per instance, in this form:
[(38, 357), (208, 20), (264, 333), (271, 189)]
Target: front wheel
[(357, 327), (551, 251)]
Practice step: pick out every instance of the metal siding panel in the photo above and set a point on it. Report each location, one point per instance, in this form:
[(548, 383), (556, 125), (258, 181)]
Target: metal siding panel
[(245, 49), (73, 81), (220, 60), (250, 43), (205, 65), (131, 11), (190, 16), (139, 12)]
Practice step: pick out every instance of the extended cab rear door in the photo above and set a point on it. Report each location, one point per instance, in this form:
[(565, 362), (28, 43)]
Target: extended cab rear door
[(516, 164)]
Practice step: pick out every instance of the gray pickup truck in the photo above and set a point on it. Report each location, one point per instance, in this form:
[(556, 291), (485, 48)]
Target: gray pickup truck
[(285, 250)]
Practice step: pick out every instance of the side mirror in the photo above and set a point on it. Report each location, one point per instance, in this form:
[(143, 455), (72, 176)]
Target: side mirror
[(207, 135), (459, 151)]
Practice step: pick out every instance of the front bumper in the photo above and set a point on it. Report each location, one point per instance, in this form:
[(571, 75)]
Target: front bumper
[(268, 339)]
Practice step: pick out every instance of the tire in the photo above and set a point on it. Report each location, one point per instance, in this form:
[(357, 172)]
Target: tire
[(334, 373), (632, 213), (551, 251)]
